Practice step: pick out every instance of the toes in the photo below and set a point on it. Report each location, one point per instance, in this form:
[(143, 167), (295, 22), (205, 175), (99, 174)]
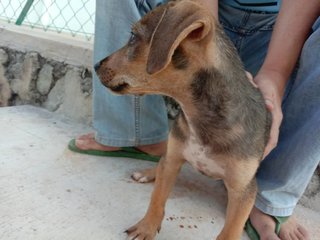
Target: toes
[(144, 176), (296, 235), (291, 230), (135, 234), (132, 234), (130, 230), (139, 177), (144, 230), (132, 237), (302, 233)]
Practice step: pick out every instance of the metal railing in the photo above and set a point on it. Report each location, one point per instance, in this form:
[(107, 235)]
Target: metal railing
[(69, 16)]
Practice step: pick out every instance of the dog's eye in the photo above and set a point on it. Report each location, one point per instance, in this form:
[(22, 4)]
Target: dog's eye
[(133, 39)]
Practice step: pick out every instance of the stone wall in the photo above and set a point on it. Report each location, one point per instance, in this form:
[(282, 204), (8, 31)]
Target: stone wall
[(47, 70), (29, 78)]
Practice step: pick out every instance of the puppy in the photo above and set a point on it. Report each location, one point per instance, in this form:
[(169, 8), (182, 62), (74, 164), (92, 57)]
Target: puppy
[(179, 50)]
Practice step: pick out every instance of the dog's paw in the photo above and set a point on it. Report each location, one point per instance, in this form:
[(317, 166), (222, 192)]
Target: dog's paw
[(145, 176), (142, 231)]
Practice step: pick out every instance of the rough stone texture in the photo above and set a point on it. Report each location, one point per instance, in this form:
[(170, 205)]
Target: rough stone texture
[(29, 78), (3, 56), (5, 91), (45, 79), (55, 97), (24, 73), (68, 97)]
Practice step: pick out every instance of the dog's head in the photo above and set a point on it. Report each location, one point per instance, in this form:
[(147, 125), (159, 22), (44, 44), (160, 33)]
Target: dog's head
[(165, 46)]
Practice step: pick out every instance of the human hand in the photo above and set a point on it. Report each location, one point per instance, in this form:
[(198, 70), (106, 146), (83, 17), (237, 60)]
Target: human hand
[(268, 83)]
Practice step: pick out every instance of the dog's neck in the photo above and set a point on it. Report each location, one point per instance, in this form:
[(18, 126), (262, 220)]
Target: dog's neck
[(209, 101), (211, 108)]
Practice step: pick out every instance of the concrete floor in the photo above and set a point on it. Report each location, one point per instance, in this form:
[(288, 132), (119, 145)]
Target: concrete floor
[(48, 192)]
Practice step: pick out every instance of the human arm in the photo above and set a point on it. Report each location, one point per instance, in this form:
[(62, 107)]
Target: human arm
[(290, 32)]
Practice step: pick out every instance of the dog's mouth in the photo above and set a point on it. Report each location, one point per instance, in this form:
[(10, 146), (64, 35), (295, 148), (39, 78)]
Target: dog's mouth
[(119, 87)]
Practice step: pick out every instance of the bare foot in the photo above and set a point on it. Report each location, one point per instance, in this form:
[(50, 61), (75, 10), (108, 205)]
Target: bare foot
[(88, 142), (265, 226), (291, 230), (157, 149)]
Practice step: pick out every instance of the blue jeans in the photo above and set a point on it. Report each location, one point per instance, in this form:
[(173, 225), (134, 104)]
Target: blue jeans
[(123, 120), (131, 121), (285, 173)]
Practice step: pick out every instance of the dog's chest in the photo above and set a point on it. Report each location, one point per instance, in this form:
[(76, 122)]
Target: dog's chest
[(200, 158)]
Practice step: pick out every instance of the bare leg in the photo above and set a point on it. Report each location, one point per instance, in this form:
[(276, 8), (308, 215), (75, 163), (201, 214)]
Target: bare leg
[(263, 224)]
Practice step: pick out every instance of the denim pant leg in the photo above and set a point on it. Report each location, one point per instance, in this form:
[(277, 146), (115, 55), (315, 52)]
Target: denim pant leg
[(285, 173), (123, 120), (250, 33)]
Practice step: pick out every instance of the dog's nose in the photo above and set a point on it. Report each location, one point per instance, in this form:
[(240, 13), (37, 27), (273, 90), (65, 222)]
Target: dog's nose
[(106, 75), (97, 65)]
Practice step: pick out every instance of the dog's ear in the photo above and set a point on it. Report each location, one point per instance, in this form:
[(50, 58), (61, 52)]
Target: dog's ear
[(184, 20)]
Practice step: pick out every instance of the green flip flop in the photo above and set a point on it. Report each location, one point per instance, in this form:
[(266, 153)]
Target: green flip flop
[(253, 234), (124, 152)]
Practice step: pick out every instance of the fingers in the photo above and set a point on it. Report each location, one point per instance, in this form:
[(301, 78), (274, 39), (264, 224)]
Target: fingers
[(269, 104), (270, 85), (250, 77), (277, 116)]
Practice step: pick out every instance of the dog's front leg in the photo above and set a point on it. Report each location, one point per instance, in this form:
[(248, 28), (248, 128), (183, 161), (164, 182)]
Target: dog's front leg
[(241, 186), (167, 171)]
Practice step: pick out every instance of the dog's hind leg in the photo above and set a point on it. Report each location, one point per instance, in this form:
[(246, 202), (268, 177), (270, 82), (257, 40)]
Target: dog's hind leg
[(242, 188), (167, 171)]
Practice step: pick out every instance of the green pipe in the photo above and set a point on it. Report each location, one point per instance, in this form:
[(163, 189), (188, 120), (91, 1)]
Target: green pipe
[(24, 12)]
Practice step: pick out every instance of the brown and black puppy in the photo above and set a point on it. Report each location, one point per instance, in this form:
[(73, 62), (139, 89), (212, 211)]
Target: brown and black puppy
[(179, 50)]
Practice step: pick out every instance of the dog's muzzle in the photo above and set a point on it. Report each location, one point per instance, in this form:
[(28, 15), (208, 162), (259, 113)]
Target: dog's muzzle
[(106, 75)]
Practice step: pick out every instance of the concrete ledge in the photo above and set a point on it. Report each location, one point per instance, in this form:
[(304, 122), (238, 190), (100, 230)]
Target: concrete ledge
[(61, 47)]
